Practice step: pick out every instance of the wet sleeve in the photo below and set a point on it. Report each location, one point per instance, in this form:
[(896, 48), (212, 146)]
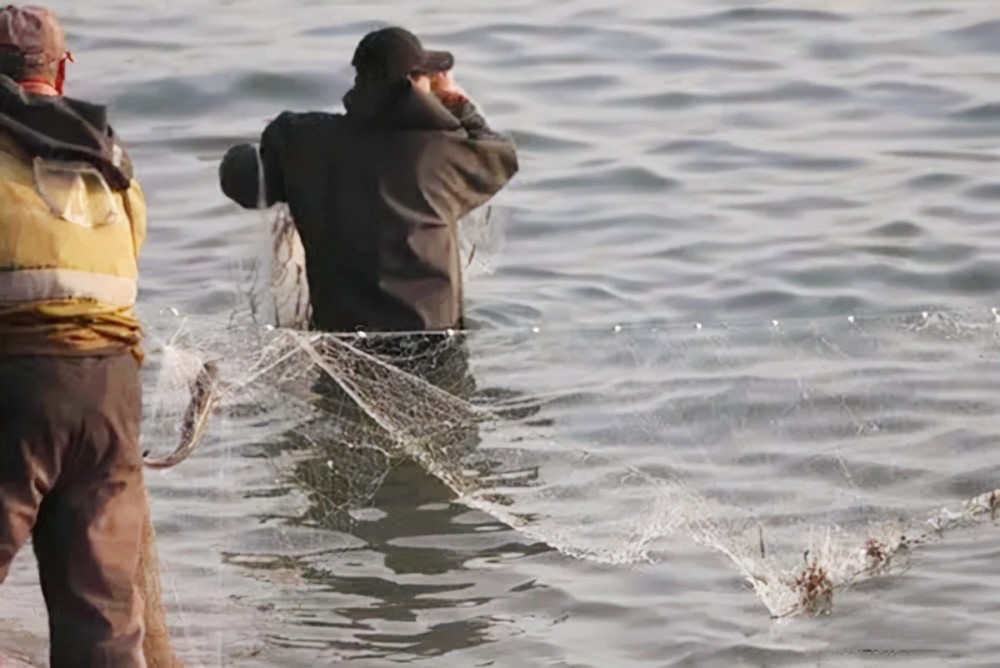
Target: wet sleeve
[(469, 170)]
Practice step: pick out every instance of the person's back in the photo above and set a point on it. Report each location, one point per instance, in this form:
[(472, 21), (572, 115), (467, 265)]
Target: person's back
[(72, 221), (377, 193)]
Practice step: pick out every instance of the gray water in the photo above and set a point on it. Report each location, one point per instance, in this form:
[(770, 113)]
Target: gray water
[(682, 162)]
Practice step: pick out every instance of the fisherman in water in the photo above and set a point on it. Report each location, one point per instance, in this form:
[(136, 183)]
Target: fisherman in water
[(377, 193), (72, 221)]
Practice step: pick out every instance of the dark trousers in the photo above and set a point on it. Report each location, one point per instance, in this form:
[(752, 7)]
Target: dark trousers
[(71, 479)]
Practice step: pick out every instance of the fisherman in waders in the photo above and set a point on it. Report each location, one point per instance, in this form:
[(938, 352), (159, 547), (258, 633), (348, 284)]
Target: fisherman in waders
[(72, 221), (377, 193)]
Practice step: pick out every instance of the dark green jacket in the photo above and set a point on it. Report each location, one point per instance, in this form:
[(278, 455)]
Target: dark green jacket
[(377, 195)]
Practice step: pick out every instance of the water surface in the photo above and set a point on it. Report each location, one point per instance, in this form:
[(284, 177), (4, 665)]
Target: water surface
[(685, 162)]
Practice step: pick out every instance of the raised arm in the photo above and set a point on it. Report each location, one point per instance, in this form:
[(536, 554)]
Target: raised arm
[(469, 170)]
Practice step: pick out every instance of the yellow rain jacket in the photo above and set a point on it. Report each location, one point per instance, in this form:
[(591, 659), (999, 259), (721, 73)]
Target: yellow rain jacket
[(69, 248)]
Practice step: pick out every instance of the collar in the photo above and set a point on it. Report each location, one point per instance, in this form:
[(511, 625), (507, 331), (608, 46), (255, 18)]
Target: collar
[(39, 87), (400, 106), (62, 128)]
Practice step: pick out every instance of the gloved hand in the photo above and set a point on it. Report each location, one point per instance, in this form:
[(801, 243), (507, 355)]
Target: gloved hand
[(239, 175)]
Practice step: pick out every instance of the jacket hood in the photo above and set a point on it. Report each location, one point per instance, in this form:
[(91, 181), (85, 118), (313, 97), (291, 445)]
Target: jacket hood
[(398, 106), (63, 128)]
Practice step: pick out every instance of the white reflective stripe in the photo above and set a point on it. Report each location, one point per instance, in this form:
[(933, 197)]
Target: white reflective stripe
[(30, 285)]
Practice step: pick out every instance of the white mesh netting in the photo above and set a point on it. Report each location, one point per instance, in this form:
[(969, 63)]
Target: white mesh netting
[(810, 454)]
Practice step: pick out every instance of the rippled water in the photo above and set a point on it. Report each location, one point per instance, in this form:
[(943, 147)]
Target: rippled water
[(682, 162)]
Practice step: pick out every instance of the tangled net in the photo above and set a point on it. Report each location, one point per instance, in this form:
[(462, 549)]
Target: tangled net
[(841, 402), (811, 455)]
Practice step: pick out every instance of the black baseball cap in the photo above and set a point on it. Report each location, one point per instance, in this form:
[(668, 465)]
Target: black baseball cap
[(395, 53)]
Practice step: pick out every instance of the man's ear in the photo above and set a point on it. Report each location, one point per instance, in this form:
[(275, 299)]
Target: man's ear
[(60, 76), (420, 82)]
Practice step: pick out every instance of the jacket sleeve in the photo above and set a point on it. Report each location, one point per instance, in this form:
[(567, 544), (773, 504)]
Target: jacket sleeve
[(239, 172), (469, 170), (473, 121)]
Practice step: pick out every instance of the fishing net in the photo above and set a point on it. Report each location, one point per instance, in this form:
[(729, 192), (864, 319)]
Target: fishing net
[(778, 449), (808, 455)]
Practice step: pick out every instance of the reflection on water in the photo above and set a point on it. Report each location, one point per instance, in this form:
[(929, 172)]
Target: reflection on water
[(357, 481), (418, 521)]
